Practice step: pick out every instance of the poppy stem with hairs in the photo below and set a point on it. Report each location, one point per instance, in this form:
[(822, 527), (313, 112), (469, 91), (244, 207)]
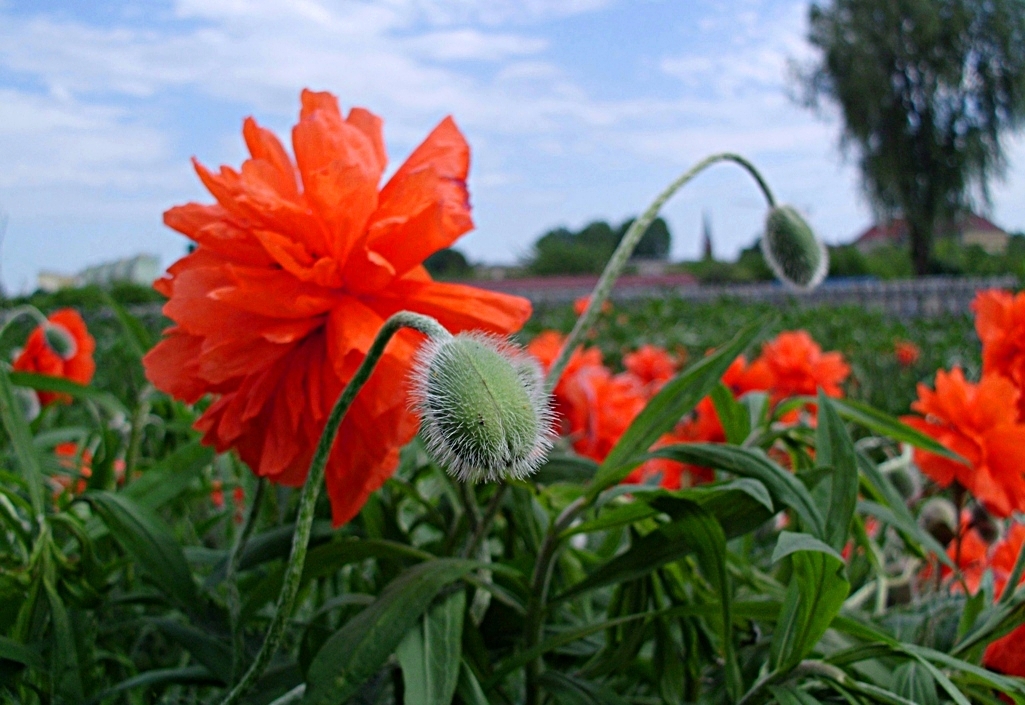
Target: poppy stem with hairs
[(549, 549), (619, 258), (311, 489)]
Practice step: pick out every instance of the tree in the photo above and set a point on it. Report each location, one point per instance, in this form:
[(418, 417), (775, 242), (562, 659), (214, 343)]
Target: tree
[(448, 264), (927, 89), (654, 243)]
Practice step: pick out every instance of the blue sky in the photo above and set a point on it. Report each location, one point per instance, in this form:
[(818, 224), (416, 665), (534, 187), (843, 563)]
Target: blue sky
[(575, 110)]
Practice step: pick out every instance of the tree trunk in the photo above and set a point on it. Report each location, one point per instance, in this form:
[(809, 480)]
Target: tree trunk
[(920, 234)]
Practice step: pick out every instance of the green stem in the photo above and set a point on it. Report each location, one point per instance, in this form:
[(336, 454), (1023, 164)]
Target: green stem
[(484, 524), (135, 435), (230, 575), (311, 489), (19, 311), (619, 258)]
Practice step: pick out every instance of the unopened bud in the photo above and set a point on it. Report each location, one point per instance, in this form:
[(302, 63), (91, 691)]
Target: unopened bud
[(28, 402), (791, 249), (60, 340), (485, 414), (939, 518)]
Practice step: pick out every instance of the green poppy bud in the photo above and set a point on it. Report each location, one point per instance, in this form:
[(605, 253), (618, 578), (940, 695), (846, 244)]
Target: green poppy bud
[(939, 518), (484, 412), (60, 340), (792, 251), (28, 402)]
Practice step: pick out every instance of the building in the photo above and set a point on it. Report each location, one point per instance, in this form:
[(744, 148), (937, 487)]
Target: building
[(970, 229), (141, 269)]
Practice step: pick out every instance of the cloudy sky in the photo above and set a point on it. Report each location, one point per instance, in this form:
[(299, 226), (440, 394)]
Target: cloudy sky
[(575, 110)]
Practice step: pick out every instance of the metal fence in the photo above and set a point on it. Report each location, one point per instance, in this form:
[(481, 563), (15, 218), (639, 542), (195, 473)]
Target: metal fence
[(926, 296)]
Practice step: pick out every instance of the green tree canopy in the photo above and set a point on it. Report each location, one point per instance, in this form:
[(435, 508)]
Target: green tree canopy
[(926, 88), (562, 251)]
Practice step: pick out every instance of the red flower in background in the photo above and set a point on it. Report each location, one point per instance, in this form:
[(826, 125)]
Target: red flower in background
[(297, 266), (1000, 323), (979, 422), (798, 367), (545, 347), (580, 305), (974, 557), (651, 365), (77, 463), (38, 357), (906, 352)]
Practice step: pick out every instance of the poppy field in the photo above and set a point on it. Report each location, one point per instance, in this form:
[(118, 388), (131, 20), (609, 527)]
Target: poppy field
[(323, 477)]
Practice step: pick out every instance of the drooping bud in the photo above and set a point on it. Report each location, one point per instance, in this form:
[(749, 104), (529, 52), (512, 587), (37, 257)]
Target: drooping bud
[(939, 518), (28, 402), (484, 412), (59, 339), (791, 249)]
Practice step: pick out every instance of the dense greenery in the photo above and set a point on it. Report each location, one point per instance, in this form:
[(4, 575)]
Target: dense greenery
[(927, 89), (563, 251)]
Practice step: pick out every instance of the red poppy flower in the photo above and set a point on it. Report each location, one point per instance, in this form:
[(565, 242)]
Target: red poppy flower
[(1000, 323), (77, 462), (798, 367), (652, 366), (603, 405), (297, 265), (979, 422), (38, 357), (545, 347), (906, 352), (580, 305)]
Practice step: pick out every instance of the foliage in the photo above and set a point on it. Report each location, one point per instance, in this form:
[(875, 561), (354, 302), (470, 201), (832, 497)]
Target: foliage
[(562, 251), (926, 89), (448, 263)]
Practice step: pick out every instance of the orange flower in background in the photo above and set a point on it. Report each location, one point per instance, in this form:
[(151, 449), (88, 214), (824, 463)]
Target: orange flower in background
[(1000, 323), (652, 366), (906, 352), (545, 347), (798, 367), (1006, 654), (979, 422), (604, 405), (77, 463), (580, 305), (296, 268), (38, 357)]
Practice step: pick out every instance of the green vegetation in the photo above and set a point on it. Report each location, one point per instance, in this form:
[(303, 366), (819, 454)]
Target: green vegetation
[(586, 251)]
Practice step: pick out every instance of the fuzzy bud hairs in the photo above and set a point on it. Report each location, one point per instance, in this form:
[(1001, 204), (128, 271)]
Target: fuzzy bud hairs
[(484, 412)]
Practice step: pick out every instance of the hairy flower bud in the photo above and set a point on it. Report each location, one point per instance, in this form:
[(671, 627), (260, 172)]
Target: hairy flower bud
[(939, 518), (484, 411), (791, 249), (59, 339)]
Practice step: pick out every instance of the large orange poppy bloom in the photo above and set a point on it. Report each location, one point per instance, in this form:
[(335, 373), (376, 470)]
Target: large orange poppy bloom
[(297, 266), (1000, 323), (38, 357), (979, 422)]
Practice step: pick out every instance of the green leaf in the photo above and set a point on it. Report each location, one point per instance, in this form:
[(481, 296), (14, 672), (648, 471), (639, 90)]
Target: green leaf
[(46, 383), (16, 651), (564, 467), (908, 527), (614, 517), (577, 691), (786, 490), (468, 687), (735, 419), (138, 337), (169, 478), (431, 652), (740, 505), (150, 541), (212, 653), (883, 424), (67, 681), (679, 396), (21, 438), (791, 695), (816, 593), (357, 650), (913, 681), (835, 449), (189, 675)]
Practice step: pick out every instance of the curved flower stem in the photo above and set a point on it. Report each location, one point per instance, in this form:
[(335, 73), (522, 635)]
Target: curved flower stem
[(548, 551), (234, 601), (311, 489), (626, 247)]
